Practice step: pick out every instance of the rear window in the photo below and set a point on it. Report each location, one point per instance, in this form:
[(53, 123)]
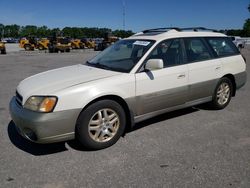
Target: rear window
[(223, 46)]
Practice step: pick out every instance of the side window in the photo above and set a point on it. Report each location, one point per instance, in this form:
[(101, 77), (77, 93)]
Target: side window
[(169, 51), (196, 50), (223, 46)]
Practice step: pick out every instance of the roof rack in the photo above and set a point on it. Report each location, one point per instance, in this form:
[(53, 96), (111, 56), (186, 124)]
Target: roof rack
[(166, 29), (198, 29), (161, 30)]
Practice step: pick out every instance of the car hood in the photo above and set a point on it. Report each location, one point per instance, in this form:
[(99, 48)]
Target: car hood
[(47, 83)]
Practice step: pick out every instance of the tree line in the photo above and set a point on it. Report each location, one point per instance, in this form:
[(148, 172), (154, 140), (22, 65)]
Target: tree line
[(17, 31)]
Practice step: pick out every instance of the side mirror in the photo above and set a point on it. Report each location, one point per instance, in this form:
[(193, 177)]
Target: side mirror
[(154, 64)]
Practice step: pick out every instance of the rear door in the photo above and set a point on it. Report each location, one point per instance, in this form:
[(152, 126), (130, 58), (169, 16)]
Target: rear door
[(164, 88), (204, 69)]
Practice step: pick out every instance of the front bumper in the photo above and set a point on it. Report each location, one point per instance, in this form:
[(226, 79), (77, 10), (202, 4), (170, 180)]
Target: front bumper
[(44, 127)]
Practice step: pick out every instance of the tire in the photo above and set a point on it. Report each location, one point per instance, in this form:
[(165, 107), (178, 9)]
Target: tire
[(40, 47), (3, 51), (105, 130), (67, 50), (222, 94), (27, 47)]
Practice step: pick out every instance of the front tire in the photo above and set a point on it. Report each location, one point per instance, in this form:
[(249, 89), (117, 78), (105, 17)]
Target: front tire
[(27, 47), (100, 125), (222, 94), (40, 47)]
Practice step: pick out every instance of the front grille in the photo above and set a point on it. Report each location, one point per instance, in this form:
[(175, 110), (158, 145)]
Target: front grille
[(19, 99)]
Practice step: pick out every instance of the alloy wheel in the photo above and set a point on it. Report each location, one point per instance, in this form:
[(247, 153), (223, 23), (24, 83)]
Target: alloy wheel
[(103, 125)]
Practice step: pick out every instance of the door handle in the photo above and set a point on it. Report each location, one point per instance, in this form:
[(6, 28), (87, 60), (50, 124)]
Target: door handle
[(217, 68), (181, 76)]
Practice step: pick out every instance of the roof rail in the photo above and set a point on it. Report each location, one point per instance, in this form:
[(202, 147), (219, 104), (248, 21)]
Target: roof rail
[(163, 29), (166, 29), (198, 29)]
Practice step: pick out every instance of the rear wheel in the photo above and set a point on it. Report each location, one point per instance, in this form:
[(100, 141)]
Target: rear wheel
[(100, 125), (223, 94)]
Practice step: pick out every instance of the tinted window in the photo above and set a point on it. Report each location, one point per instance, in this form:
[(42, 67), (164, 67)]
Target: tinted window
[(223, 46), (169, 51), (196, 50)]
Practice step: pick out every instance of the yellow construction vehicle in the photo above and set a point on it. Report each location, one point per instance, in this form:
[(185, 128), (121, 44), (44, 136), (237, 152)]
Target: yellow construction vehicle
[(59, 44), (2, 47), (89, 43), (77, 44), (29, 44), (109, 39), (42, 44)]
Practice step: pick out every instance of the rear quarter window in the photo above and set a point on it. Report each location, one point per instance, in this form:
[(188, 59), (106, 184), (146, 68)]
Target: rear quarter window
[(223, 46)]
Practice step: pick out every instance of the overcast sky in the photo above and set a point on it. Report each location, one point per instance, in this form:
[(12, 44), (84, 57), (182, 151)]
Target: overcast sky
[(140, 14)]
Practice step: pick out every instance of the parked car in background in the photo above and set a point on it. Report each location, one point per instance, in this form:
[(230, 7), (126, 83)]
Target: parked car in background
[(238, 41)]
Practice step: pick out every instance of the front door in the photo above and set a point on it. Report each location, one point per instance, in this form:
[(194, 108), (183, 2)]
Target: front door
[(164, 88)]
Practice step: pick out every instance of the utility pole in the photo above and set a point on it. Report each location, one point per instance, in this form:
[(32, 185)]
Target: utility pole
[(123, 14)]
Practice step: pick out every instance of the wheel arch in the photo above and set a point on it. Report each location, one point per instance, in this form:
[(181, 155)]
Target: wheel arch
[(128, 113), (232, 78)]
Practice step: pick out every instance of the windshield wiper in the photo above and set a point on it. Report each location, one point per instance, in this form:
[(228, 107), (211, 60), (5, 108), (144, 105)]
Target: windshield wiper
[(98, 65), (88, 63)]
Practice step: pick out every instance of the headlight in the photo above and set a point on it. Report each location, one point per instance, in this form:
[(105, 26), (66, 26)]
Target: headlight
[(41, 104)]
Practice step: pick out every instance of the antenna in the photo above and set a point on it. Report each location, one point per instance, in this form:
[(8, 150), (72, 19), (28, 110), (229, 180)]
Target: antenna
[(123, 14)]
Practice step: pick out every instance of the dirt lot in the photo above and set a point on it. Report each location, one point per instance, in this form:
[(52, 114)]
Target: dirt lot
[(194, 147)]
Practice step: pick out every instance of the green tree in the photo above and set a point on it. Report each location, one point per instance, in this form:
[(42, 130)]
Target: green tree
[(246, 27), (28, 30), (11, 30), (1, 30), (42, 31), (123, 33)]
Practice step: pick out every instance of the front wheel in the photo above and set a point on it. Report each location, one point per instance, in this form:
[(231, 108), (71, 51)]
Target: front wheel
[(27, 47), (40, 47), (100, 125), (223, 94)]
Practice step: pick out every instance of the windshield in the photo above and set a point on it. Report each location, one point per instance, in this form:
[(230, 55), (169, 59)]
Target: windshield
[(121, 56)]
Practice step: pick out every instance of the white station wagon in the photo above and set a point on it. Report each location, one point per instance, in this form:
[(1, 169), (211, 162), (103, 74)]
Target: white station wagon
[(147, 74)]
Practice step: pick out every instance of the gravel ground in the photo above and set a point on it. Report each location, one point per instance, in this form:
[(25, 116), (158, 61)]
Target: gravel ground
[(193, 147)]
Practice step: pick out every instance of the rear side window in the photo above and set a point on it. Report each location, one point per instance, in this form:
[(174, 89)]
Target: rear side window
[(196, 50), (223, 46)]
